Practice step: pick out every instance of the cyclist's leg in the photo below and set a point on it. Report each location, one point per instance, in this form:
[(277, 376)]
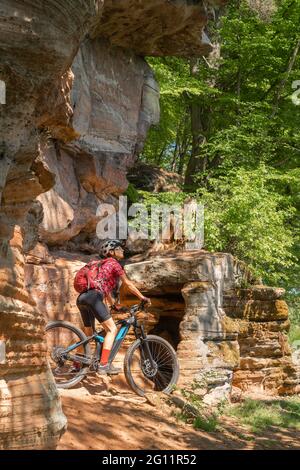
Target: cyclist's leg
[(90, 327), (94, 300), (104, 317), (86, 314), (111, 331), (88, 322)]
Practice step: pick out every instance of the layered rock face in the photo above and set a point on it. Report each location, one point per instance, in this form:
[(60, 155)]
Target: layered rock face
[(207, 344), (186, 291), (261, 317), (77, 110), (30, 410), (38, 43), (115, 100)]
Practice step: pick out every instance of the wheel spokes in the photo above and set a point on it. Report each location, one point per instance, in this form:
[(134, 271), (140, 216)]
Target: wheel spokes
[(59, 339), (157, 379)]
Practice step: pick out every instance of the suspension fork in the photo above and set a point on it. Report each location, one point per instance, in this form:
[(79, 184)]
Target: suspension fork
[(145, 350)]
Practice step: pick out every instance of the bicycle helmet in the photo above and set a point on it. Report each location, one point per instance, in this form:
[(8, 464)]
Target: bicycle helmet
[(109, 245)]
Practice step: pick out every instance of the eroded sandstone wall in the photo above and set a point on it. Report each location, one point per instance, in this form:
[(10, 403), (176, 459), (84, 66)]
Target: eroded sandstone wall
[(115, 99), (261, 317), (30, 411), (38, 41)]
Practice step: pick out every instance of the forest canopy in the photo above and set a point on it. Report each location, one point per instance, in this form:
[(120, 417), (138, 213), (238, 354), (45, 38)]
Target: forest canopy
[(230, 125)]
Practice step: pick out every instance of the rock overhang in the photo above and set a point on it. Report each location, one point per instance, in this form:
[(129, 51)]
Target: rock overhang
[(179, 268), (156, 28)]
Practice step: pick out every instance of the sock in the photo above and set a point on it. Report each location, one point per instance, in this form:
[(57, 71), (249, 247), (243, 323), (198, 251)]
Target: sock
[(104, 357)]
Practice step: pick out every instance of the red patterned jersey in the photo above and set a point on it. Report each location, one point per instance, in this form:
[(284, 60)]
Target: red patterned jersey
[(108, 276)]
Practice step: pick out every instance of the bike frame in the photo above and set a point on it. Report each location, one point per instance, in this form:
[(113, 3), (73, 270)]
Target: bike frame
[(125, 326)]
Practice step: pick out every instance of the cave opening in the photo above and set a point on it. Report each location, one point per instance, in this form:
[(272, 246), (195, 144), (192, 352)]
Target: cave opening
[(168, 328), (170, 314)]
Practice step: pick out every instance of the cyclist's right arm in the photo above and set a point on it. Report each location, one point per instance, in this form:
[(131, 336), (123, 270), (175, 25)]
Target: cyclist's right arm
[(134, 290)]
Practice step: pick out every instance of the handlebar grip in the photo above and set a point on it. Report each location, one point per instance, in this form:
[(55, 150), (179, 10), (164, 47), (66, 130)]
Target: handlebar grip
[(120, 309), (124, 309)]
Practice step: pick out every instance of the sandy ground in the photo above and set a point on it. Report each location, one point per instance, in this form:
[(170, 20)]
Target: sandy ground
[(102, 418)]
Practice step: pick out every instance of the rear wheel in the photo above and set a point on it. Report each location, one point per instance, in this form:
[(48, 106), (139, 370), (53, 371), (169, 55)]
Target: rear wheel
[(143, 375), (67, 371)]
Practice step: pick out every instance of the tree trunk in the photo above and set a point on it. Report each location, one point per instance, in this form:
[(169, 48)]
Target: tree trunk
[(197, 133), (201, 114), (285, 78)]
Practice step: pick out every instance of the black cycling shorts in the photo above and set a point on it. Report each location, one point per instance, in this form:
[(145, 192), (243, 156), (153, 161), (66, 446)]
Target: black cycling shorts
[(91, 306)]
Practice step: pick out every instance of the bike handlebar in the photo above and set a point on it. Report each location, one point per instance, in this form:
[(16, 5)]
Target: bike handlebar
[(133, 309)]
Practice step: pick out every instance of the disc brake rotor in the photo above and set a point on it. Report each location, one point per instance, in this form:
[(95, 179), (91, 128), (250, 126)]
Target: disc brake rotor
[(148, 370)]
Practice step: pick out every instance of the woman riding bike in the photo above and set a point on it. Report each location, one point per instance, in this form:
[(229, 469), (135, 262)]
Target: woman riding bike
[(91, 301)]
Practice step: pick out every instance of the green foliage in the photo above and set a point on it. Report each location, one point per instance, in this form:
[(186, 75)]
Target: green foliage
[(206, 424), (294, 333), (246, 216), (238, 94), (260, 415), (293, 300), (248, 161), (149, 200), (195, 412), (163, 198), (132, 193)]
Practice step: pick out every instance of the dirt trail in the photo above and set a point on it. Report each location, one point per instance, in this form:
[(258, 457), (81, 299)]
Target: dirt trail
[(100, 420)]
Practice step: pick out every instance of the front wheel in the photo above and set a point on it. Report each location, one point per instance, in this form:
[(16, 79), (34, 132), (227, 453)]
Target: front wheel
[(159, 372), (60, 335)]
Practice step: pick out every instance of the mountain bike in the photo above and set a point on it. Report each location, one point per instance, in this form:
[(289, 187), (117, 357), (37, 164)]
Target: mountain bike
[(150, 363)]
